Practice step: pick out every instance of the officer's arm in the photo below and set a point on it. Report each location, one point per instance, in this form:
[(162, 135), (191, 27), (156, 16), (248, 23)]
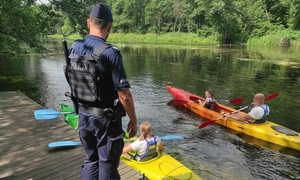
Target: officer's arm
[(128, 104)]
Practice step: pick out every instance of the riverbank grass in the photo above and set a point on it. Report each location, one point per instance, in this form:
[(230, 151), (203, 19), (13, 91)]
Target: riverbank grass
[(274, 39), (185, 38), (283, 38)]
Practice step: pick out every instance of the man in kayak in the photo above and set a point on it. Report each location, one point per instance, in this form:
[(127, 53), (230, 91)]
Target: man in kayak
[(258, 113), (146, 146), (98, 81)]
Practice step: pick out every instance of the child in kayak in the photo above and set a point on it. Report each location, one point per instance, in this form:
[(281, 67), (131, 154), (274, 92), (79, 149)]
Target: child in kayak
[(146, 146), (210, 101)]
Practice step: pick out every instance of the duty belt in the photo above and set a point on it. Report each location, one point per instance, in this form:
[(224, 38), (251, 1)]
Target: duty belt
[(91, 110), (107, 113)]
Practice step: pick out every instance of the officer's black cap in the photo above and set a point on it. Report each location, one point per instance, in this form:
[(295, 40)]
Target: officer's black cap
[(102, 11)]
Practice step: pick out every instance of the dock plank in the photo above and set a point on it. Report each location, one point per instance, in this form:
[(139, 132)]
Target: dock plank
[(24, 152)]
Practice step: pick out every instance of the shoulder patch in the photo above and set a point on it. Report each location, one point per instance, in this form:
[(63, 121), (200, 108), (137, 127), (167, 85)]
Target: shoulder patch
[(114, 47)]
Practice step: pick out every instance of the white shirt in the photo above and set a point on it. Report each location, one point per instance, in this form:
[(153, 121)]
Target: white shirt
[(140, 146), (257, 112)]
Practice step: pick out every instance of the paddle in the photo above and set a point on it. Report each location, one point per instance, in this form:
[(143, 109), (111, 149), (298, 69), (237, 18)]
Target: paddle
[(206, 123), (178, 102), (64, 144), (77, 143), (45, 114), (272, 96)]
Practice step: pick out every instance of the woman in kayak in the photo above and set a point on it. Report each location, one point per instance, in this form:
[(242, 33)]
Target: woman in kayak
[(146, 146), (210, 101)]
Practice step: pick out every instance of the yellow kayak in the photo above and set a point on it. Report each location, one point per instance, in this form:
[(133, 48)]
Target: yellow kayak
[(267, 131), (162, 167)]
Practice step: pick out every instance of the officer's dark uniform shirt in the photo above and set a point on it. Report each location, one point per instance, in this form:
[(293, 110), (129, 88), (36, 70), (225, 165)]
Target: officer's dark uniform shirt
[(110, 60)]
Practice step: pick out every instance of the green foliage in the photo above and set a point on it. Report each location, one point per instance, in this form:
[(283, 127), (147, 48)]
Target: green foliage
[(67, 28), (271, 22), (279, 38), (294, 14), (173, 37), (21, 23)]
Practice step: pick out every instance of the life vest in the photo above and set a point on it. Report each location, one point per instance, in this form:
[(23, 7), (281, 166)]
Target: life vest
[(87, 83), (151, 150), (210, 104), (265, 115)]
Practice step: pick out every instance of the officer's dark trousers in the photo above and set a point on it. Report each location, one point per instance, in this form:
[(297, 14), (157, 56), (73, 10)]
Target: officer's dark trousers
[(103, 143)]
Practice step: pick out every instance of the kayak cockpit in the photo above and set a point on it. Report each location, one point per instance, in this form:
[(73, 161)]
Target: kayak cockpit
[(285, 130), (195, 98)]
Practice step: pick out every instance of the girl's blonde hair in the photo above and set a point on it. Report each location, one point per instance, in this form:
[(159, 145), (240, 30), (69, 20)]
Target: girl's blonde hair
[(145, 129)]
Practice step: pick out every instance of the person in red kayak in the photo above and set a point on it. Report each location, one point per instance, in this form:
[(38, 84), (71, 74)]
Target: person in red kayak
[(258, 113), (146, 146), (210, 101)]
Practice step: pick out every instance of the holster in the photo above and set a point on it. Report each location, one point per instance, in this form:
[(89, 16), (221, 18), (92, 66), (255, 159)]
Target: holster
[(75, 103), (114, 114), (74, 100)]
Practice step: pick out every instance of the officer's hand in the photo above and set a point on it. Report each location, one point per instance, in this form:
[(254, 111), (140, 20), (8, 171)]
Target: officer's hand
[(132, 129)]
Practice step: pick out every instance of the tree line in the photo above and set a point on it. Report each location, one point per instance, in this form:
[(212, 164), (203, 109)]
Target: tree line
[(30, 21)]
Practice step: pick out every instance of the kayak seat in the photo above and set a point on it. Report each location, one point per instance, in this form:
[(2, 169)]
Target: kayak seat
[(147, 158), (285, 130)]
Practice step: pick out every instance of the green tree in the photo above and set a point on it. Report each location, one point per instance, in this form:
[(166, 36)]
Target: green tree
[(52, 18), (222, 16), (77, 11), (67, 29), (158, 15), (294, 14), (129, 16), (21, 23)]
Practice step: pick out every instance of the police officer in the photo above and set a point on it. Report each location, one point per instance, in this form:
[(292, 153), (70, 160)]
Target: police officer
[(102, 96)]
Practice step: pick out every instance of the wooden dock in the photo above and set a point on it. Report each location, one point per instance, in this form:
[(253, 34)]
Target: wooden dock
[(24, 152)]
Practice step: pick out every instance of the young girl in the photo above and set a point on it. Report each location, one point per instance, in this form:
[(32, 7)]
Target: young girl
[(146, 146), (210, 101)]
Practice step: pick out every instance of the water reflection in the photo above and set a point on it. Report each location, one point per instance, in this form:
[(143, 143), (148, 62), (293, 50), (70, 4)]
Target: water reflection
[(213, 152)]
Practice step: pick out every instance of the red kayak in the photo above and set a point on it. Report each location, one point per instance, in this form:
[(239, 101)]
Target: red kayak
[(267, 131)]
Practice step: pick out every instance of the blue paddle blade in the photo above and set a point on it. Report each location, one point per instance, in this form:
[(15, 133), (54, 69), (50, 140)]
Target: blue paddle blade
[(169, 137), (44, 114), (63, 144)]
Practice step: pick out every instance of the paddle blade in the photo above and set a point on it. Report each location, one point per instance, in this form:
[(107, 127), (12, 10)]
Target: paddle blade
[(178, 102), (206, 123), (45, 114), (272, 96), (169, 137), (236, 101), (63, 144)]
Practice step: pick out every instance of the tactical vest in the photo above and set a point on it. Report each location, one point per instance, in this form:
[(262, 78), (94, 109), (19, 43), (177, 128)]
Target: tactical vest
[(85, 78), (151, 150)]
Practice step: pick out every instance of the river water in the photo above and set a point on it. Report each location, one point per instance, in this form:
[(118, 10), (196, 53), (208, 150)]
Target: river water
[(213, 152)]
